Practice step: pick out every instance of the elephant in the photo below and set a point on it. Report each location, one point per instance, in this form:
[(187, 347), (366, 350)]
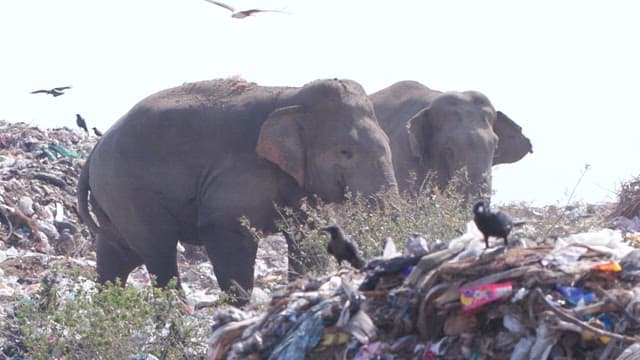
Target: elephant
[(444, 132), (186, 163)]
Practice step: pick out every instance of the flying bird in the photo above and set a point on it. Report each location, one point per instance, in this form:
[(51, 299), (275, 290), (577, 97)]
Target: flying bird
[(492, 223), (342, 247), (97, 132), (57, 91), (240, 14), (81, 123)]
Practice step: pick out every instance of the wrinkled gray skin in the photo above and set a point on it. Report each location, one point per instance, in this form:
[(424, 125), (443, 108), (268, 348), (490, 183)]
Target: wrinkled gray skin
[(445, 132), (186, 163)]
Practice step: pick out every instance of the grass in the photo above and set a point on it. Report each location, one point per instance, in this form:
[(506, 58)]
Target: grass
[(80, 322)]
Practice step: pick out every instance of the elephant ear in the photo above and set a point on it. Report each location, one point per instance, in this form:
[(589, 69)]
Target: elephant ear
[(420, 129), (512, 144), (280, 141)]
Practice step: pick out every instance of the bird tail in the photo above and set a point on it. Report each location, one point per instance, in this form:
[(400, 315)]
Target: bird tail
[(83, 198), (518, 223)]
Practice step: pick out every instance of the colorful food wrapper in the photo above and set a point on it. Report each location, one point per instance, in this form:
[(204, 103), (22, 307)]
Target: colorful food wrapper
[(474, 297), (608, 267)]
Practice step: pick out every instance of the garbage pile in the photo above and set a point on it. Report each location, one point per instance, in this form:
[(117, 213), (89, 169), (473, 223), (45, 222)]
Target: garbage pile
[(38, 172), (575, 299)]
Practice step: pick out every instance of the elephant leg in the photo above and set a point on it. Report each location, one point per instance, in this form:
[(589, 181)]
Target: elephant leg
[(114, 259), (233, 255), (151, 232)]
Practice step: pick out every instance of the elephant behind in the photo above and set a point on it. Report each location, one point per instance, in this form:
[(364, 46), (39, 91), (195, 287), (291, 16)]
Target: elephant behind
[(185, 164), (444, 132)]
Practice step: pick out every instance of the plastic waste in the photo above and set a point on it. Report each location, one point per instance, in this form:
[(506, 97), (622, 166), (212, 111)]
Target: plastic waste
[(630, 265), (416, 245), (63, 151), (575, 296), (390, 249), (472, 298), (522, 349), (369, 351), (611, 266)]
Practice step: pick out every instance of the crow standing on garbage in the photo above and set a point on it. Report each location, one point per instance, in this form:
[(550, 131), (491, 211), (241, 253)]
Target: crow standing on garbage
[(57, 91), (97, 132), (81, 123), (492, 223), (342, 247)]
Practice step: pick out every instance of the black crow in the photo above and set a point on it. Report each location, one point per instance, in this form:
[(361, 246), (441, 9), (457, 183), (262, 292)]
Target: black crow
[(343, 247), (97, 132), (57, 91), (81, 123), (240, 14), (491, 223)]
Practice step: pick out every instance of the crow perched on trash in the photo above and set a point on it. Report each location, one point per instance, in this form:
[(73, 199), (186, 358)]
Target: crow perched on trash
[(57, 91), (342, 247), (492, 223), (97, 132), (81, 123)]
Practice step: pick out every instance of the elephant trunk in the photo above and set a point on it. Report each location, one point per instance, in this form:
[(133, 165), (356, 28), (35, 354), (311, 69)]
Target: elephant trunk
[(386, 182)]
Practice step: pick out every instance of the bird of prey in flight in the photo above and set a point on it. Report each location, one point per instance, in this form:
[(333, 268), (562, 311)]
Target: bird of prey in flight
[(240, 14), (57, 91)]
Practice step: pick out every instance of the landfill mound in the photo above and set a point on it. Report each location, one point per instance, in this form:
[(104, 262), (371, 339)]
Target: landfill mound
[(576, 299), (39, 171)]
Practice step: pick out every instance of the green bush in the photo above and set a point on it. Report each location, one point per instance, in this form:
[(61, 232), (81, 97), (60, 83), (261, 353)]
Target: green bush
[(436, 215), (113, 323)]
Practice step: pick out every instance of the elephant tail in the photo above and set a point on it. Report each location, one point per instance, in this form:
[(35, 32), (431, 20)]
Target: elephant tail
[(83, 198)]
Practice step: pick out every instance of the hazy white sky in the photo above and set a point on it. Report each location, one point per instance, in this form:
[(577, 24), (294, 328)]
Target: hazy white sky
[(567, 71)]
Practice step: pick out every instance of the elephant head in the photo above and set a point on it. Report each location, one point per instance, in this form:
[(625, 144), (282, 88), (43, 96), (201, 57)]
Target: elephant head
[(329, 140), (456, 132)]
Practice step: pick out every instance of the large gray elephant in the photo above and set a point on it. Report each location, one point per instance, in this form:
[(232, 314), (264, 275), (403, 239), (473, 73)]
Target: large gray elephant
[(432, 131), (185, 164)]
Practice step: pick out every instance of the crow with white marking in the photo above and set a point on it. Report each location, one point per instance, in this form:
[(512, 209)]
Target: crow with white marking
[(342, 247), (81, 123), (240, 14), (57, 91), (492, 223)]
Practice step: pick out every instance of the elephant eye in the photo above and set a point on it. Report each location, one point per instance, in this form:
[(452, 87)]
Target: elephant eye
[(346, 153)]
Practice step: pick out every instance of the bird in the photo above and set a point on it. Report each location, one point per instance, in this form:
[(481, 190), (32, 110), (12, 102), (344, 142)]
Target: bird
[(57, 91), (492, 223), (342, 247), (81, 123), (97, 132), (240, 14)]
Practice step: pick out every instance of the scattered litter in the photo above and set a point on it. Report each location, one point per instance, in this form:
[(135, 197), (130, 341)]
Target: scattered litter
[(512, 304)]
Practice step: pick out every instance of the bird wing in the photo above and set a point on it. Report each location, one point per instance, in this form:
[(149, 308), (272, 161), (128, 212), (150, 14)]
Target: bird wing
[(230, 8), (330, 249), (61, 88), (504, 218), (255, 11), (40, 92)]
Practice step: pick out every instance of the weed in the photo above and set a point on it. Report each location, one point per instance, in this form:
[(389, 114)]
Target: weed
[(437, 215), (113, 322)]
